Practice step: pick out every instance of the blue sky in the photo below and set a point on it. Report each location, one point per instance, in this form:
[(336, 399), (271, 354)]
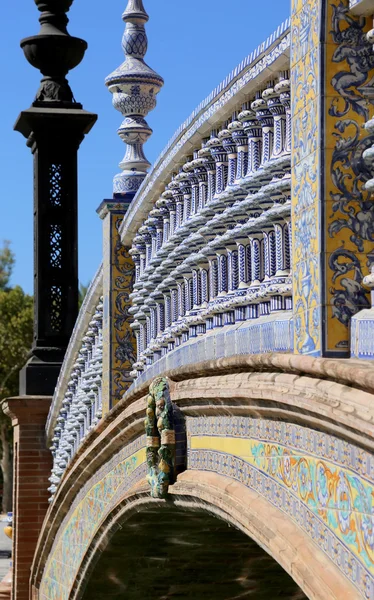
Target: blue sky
[(193, 45)]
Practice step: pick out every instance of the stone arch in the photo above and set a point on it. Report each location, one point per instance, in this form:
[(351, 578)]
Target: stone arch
[(179, 548), (310, 398), (234, 504)]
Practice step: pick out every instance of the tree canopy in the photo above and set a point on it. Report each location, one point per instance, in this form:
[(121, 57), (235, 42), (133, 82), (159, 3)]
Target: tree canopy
[(16, 332), (16, 326), (6, 264)]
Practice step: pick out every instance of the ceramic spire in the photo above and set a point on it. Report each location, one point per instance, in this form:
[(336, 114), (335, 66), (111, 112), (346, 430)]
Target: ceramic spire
[(134, 86)]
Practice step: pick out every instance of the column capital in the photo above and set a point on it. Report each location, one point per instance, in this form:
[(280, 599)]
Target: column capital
[(27, 410), (39, 124), (113, 206)]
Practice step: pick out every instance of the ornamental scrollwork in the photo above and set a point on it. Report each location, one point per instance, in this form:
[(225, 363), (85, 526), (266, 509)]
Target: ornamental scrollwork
[(353, 48), (350, 295), (123, 337), (351, 207)]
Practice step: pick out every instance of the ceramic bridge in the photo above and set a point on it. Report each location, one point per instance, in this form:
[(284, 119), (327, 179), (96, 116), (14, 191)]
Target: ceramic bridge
[(211, 432)]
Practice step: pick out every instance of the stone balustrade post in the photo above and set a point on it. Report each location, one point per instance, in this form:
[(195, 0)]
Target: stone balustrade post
[(119, 342), (32, 464)]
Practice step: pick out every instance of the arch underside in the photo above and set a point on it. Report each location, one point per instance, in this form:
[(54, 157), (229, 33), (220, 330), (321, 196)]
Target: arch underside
[(168, 551), (285, 548)]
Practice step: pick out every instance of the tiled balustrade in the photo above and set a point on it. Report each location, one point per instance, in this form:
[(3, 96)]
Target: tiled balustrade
[(81, 407), (215, 250)]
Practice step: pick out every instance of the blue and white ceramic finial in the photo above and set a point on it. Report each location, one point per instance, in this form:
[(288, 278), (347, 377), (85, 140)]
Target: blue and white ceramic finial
[(134, 86)]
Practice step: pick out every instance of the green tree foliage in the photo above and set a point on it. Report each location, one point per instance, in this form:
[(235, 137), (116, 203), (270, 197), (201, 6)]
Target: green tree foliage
[(6, 264), (16, 326), (16, 331), (82, 293)]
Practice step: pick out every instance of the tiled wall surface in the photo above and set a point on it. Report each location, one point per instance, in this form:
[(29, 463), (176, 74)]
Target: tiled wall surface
[(119, 347), (94, 501), (332, 65), (266, 334), (325, 485)]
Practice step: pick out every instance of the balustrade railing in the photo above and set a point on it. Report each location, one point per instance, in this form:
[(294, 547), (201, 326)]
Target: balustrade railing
[(81, 407), (216, 248)]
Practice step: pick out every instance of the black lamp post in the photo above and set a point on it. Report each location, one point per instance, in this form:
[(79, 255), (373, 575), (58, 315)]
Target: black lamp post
[(54, 126)]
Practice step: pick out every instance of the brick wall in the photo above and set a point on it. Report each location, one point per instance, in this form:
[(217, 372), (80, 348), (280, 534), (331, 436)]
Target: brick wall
[(32, 467)]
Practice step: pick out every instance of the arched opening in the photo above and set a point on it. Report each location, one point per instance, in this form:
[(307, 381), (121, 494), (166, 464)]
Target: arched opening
[(166, 551)]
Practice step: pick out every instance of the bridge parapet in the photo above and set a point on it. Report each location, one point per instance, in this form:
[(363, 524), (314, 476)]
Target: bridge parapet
[(77, 403), (213, 251)]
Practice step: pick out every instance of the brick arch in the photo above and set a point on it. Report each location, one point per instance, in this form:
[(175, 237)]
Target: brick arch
[(317, 404)]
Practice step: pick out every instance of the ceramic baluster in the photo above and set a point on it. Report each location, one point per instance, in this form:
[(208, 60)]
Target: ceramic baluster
[(240, 139), (225, 136), (220, 158), (278, 111), (253, 130), (283, 88), (265, 118), (210, 167), (168, 196)]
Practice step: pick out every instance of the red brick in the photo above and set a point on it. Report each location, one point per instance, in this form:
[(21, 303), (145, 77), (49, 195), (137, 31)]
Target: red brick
[(32, 467)]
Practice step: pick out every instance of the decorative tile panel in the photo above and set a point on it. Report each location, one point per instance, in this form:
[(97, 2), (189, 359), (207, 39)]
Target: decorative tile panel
[(305, 68), (93, 503), (324, 484), (349, 214), (119, 343), (332, 67), (273, 333)]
